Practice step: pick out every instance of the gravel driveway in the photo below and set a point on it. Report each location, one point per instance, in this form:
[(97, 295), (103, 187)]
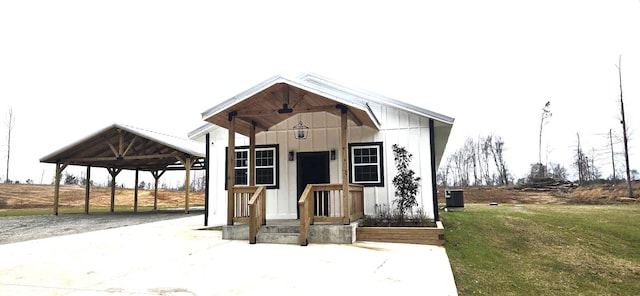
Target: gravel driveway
[(23, 228)]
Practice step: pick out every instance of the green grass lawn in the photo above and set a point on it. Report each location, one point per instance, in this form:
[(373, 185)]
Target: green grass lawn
[(545, 249)]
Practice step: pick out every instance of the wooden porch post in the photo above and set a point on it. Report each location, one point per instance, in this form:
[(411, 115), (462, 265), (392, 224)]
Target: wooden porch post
[(231, 157), (252, 154), (87, 190), (56, 193), (346, 215), (135, 194)]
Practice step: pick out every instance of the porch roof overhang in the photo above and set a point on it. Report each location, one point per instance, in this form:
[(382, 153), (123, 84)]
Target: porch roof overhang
[(125, 147), (279, 98)]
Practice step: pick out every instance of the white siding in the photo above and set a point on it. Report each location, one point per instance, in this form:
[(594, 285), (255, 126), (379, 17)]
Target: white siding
[(397, 127)]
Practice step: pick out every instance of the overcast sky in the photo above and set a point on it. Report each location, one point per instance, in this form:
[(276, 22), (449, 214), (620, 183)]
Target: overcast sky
[(70, 68)]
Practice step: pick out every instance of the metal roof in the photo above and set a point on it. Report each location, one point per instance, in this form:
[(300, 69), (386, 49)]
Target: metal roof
[(128, 147), (362, 97), (310, 88)]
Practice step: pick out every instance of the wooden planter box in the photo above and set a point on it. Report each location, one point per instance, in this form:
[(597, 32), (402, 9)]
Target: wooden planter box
[(408, 235)]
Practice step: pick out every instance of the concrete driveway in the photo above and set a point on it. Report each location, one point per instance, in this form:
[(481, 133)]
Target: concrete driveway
[(173, 257)]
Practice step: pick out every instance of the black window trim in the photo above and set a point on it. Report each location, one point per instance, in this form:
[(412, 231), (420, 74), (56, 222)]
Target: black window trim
[(379, 146), (276, 164)]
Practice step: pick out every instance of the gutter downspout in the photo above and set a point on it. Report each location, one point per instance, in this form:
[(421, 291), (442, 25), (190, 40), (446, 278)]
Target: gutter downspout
[(206, 181), (434, 186)]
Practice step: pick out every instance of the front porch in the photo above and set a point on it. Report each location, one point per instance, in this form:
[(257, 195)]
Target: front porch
[(326, 215), (287, 231)]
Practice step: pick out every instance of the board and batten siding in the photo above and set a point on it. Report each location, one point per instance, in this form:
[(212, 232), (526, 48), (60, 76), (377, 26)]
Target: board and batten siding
[(398, 127)]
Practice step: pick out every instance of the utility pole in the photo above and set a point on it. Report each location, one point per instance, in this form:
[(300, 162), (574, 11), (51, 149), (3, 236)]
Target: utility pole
[(624, 130)]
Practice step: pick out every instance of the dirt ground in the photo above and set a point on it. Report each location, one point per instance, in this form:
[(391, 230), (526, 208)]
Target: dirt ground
[(589, 194), (29, 196)]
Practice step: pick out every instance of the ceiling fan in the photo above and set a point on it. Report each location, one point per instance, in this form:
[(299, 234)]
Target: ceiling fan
[(285, 104)]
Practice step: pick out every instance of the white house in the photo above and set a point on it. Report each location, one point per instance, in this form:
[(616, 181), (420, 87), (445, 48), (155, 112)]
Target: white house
[(291, 132)]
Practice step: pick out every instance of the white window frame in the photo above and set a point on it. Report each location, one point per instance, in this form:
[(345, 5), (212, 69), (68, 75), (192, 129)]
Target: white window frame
[(378, 163), (273, 167)]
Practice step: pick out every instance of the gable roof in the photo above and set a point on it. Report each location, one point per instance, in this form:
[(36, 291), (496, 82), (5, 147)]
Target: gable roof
[(310, 93), (128, 147), (363, 96)]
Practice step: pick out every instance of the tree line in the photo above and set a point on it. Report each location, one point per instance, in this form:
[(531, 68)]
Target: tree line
[(477, 162), (197, 182)]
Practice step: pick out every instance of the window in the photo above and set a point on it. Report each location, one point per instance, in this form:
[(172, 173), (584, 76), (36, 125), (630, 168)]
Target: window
[(266, 171), (366, 164)]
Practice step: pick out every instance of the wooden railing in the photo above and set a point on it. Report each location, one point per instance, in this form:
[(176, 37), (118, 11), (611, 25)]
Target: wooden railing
[(241, 197), (325, 203), (356, 198), (305, 205), (249, 207), (257, 213)]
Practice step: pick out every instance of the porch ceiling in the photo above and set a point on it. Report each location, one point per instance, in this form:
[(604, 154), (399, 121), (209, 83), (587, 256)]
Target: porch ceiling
[(262, 108)]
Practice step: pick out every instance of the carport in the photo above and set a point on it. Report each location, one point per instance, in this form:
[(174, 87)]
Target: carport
[(120, 147)]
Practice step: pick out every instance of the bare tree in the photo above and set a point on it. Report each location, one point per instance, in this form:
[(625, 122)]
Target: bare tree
[(558, 172), (580, 162), (546, 113), (624, 130), (497, 150), (586, 165), (9, 122), (485, 156), (613, 159)]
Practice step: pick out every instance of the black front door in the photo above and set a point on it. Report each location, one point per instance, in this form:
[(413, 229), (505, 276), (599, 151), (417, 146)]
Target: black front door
[(313, 168)]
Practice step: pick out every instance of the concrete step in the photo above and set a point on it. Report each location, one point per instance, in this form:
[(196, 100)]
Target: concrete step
[(280, 229), (290, 233), (278, 238)]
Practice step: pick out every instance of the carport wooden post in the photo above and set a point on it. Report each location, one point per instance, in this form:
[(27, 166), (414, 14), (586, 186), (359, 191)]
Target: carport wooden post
[(187, 162), (87, 190), (231, 157), (156, 177), (135, 194), (113, 172), (187, 184), (346, 214), (56, 193)]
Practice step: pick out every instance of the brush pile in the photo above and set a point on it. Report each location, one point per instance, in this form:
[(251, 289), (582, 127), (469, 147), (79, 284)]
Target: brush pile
[(546, 184)]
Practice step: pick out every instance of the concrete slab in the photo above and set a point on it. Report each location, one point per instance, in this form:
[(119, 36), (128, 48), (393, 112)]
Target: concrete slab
[(175, 258)]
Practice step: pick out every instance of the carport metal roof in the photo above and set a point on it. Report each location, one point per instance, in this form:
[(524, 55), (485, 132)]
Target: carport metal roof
[(125, 147), (120, 147)]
